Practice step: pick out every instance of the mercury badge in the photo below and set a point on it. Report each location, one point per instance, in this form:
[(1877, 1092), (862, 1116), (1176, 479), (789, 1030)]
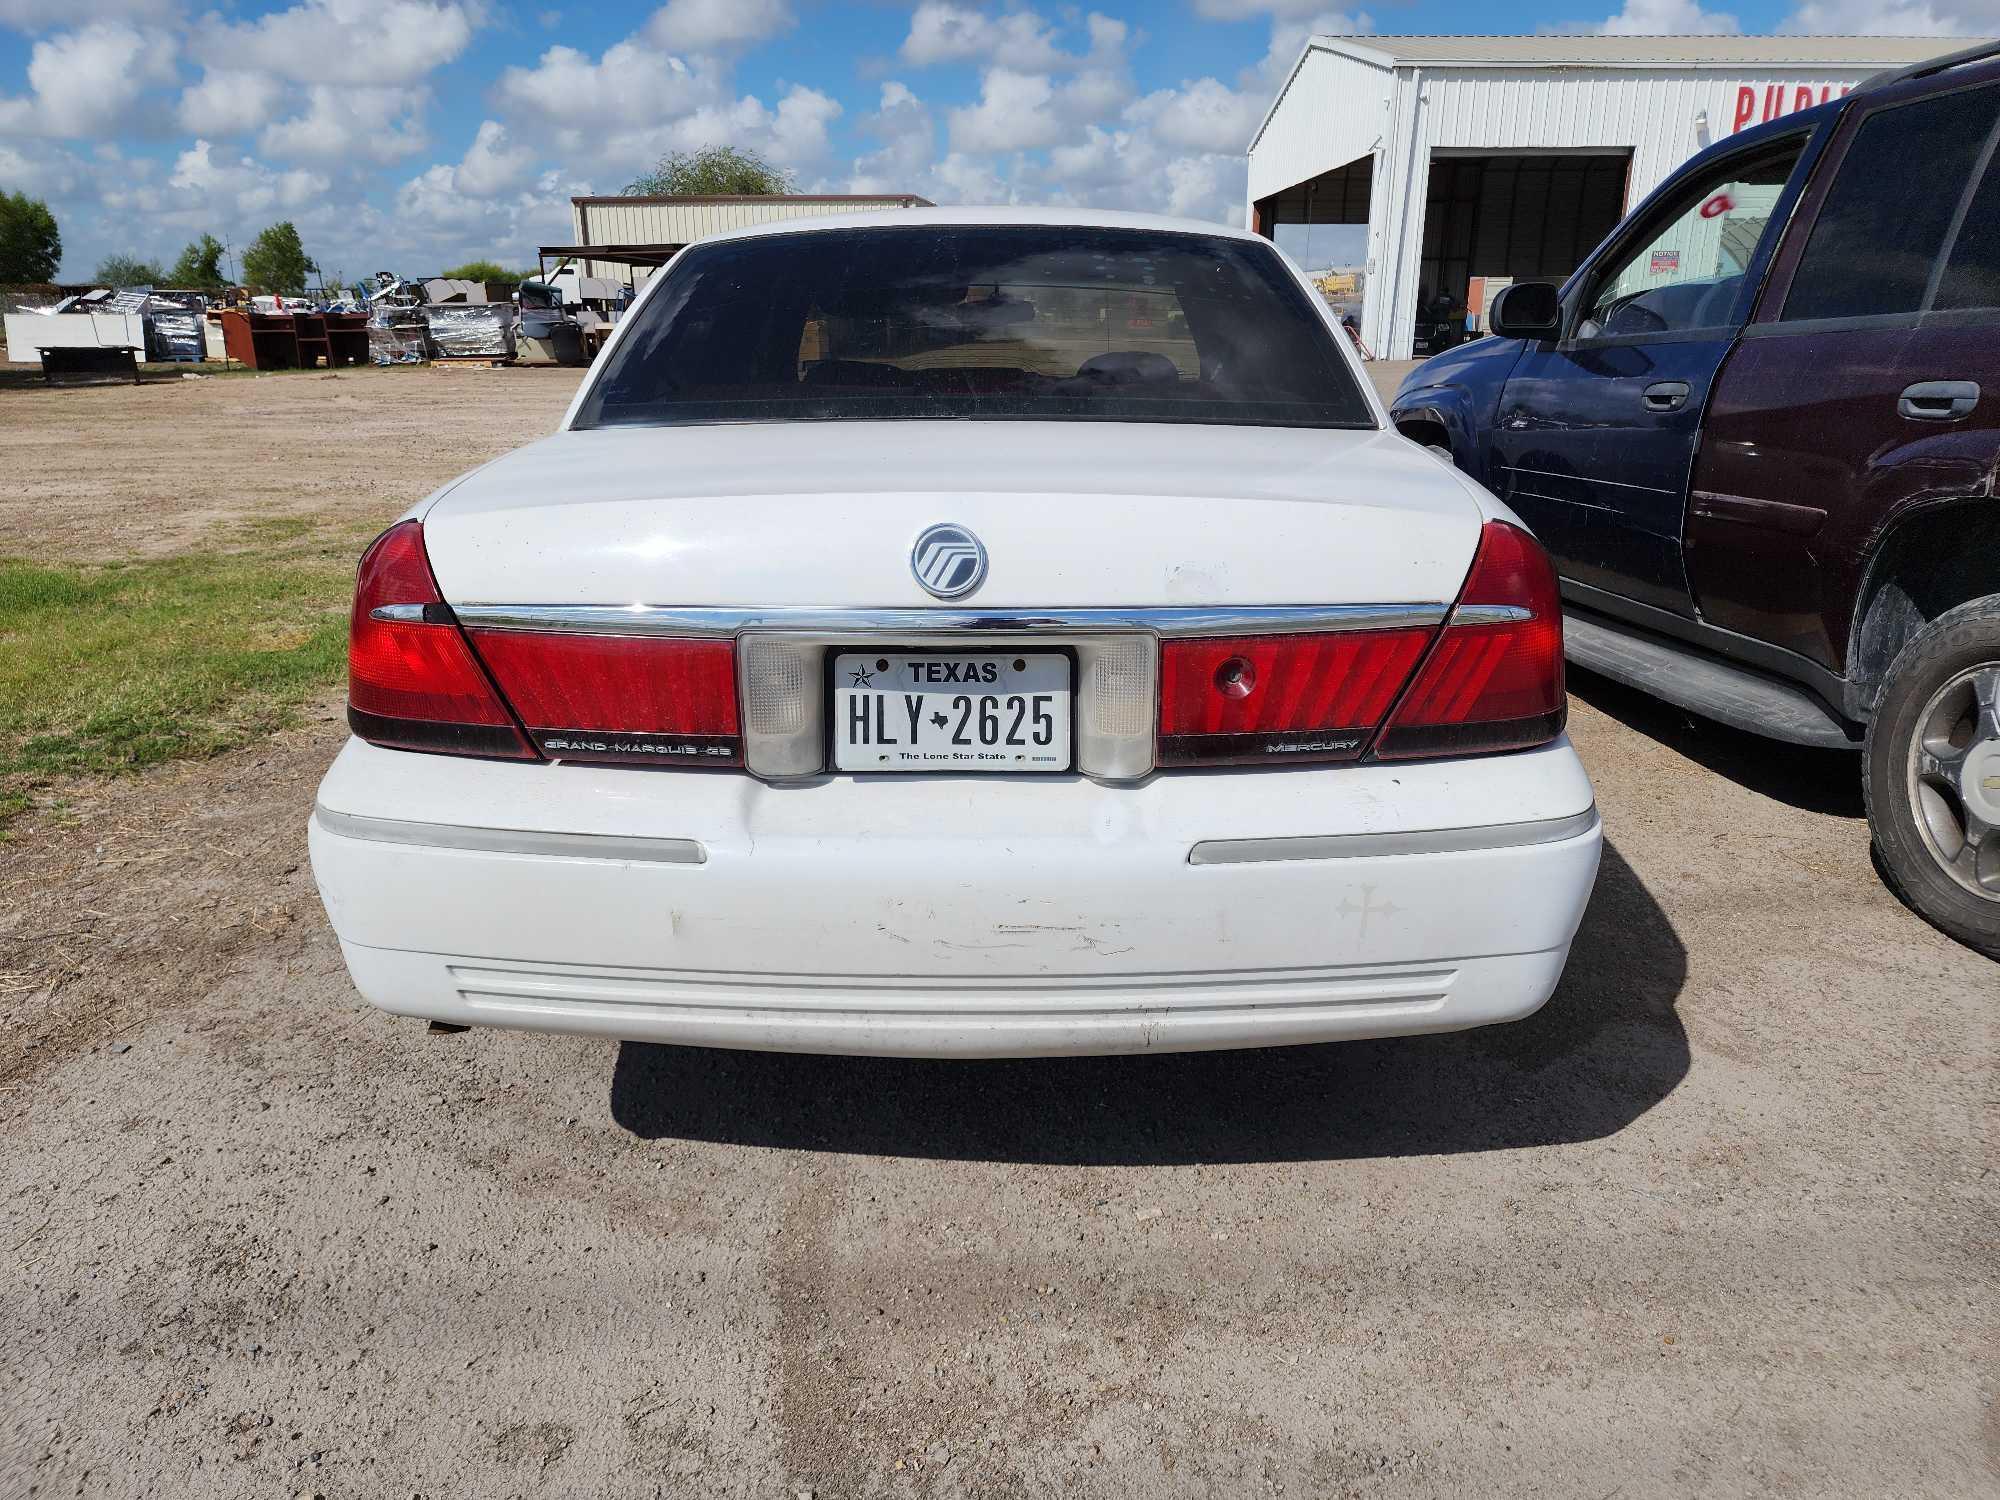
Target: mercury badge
[(949, 561)]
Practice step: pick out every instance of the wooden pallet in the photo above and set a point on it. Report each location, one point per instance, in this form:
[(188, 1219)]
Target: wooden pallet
[(464, 363)]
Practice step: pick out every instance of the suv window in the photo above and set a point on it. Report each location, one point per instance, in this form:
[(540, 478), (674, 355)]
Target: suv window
[(955, 321), (1886, 216), (1972, 269), (1687, 272)]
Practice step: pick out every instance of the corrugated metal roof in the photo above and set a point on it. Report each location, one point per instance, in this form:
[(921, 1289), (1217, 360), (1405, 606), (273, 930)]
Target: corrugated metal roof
[(906, 200), (1643, 51)]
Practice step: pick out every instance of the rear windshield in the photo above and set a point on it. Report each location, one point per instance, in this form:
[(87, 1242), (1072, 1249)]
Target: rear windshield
[(1043, 323)]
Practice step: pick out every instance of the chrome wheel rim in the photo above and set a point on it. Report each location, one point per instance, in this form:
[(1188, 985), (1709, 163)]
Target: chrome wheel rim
[(1954, 777)]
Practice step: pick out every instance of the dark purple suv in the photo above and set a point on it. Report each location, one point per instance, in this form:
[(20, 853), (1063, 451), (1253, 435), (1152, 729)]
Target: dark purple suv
[(1759, 432)]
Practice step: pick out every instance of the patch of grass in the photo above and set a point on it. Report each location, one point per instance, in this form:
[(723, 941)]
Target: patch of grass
[(113, 667)]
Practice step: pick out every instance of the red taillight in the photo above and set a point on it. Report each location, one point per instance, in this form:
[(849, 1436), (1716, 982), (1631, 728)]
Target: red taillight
[(1490, 684), (1279, 697), (416, 682), (622, 700), (412, 682)]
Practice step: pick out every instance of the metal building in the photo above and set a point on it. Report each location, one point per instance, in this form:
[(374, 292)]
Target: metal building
[(1415, 175), (664, 225)]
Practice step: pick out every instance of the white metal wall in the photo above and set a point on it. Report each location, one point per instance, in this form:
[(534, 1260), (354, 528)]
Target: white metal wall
[(642, 223), (1338, 108), (1335, 110)]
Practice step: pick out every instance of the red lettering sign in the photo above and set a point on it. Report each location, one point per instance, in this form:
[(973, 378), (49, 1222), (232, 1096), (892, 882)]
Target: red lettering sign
[(1775, 102)]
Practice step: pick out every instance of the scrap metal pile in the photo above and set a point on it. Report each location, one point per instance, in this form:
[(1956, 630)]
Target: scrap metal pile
[(107, 329), (409, 321)]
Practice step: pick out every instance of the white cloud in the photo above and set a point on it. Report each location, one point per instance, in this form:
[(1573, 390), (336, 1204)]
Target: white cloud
[(438, 221), (86, 82), (630, 83), (40, 15), (1669, 18), (1925, 18), (959, 178), (41, 170), (1247, 10), (636, 103), (1022, 111), (1021, 40), (798, 131), (1123, 168), (243, 188), (1204, 115), (1015, 111), (713, 25), (379, 124), (360, 42), (492, 164), (908, 136), (228, 101), (1289, 33)]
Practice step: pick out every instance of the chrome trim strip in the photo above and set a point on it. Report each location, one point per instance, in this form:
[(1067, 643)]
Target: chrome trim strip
[(1490, 614), (612, 846), (1369, 845), (647, 619), (408, 614)]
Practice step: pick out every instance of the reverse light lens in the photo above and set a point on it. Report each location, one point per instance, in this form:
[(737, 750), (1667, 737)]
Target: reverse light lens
[(1248, 699), (413, 684), (620, 700), (1490, 686)]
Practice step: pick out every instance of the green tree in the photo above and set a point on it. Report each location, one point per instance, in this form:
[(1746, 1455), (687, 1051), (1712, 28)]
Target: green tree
[(276, 261), (484, 270), (129, 270), (200, 266), (710, 172), (30, 243)]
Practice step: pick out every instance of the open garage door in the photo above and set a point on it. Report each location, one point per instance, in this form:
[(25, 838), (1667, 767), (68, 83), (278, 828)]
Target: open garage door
[(1491, 219), (1322, 223)]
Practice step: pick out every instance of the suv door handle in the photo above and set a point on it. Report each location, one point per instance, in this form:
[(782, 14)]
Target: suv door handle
[(1665, 395), (1938, 400)]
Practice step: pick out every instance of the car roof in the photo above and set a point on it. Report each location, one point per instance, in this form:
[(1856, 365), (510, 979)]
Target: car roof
[(974, 216), (1791, 124)]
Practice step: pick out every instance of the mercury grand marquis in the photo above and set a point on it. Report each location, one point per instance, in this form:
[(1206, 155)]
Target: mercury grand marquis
[(961, 633)]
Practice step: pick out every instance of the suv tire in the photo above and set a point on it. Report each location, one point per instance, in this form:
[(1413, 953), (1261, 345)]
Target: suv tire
[(1932, 774)]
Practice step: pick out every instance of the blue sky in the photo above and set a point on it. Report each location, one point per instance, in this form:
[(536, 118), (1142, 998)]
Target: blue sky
[(409, 134)]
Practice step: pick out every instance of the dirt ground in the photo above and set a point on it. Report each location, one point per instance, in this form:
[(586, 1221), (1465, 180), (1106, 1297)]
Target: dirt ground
[(197, 456), (1718, 1221)]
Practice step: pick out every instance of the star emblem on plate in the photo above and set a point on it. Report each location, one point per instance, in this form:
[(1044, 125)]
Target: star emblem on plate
[(863, 677)]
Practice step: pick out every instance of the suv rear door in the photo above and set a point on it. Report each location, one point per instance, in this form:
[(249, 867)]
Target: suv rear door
[(1596, 432), (1870, 379)]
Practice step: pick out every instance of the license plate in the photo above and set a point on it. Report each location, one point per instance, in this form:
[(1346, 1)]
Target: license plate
[(937, 711)]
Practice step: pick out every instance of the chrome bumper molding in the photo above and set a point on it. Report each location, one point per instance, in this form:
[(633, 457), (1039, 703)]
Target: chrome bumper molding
[(1376, 845), (647, 619), (611, 846)]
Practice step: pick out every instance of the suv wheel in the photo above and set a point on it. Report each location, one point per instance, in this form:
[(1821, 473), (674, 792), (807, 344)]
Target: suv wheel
[(1933, 774)]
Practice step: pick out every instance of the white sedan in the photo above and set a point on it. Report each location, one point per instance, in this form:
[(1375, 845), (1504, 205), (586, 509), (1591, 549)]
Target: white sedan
[(961, 633)]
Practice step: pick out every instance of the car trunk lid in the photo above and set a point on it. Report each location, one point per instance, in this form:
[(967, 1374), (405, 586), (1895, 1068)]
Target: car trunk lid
[(1070, 514)]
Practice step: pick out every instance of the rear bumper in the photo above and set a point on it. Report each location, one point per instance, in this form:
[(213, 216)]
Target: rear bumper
[(957, 916)]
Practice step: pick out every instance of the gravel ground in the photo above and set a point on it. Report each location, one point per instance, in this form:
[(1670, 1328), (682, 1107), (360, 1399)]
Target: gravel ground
[(1717, 1221)]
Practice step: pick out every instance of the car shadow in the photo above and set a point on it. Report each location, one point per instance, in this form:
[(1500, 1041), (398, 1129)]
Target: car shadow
[(1605, 1049), (1800, 776)]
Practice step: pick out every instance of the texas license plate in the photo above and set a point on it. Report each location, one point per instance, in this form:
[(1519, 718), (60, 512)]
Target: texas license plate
[(956, 711)]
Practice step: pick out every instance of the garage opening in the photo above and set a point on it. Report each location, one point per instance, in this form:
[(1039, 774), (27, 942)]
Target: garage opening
[(1491, 220), (1322, 223)]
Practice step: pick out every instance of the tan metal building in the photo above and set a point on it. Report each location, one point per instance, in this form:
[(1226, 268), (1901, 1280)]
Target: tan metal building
[(672, 222)]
